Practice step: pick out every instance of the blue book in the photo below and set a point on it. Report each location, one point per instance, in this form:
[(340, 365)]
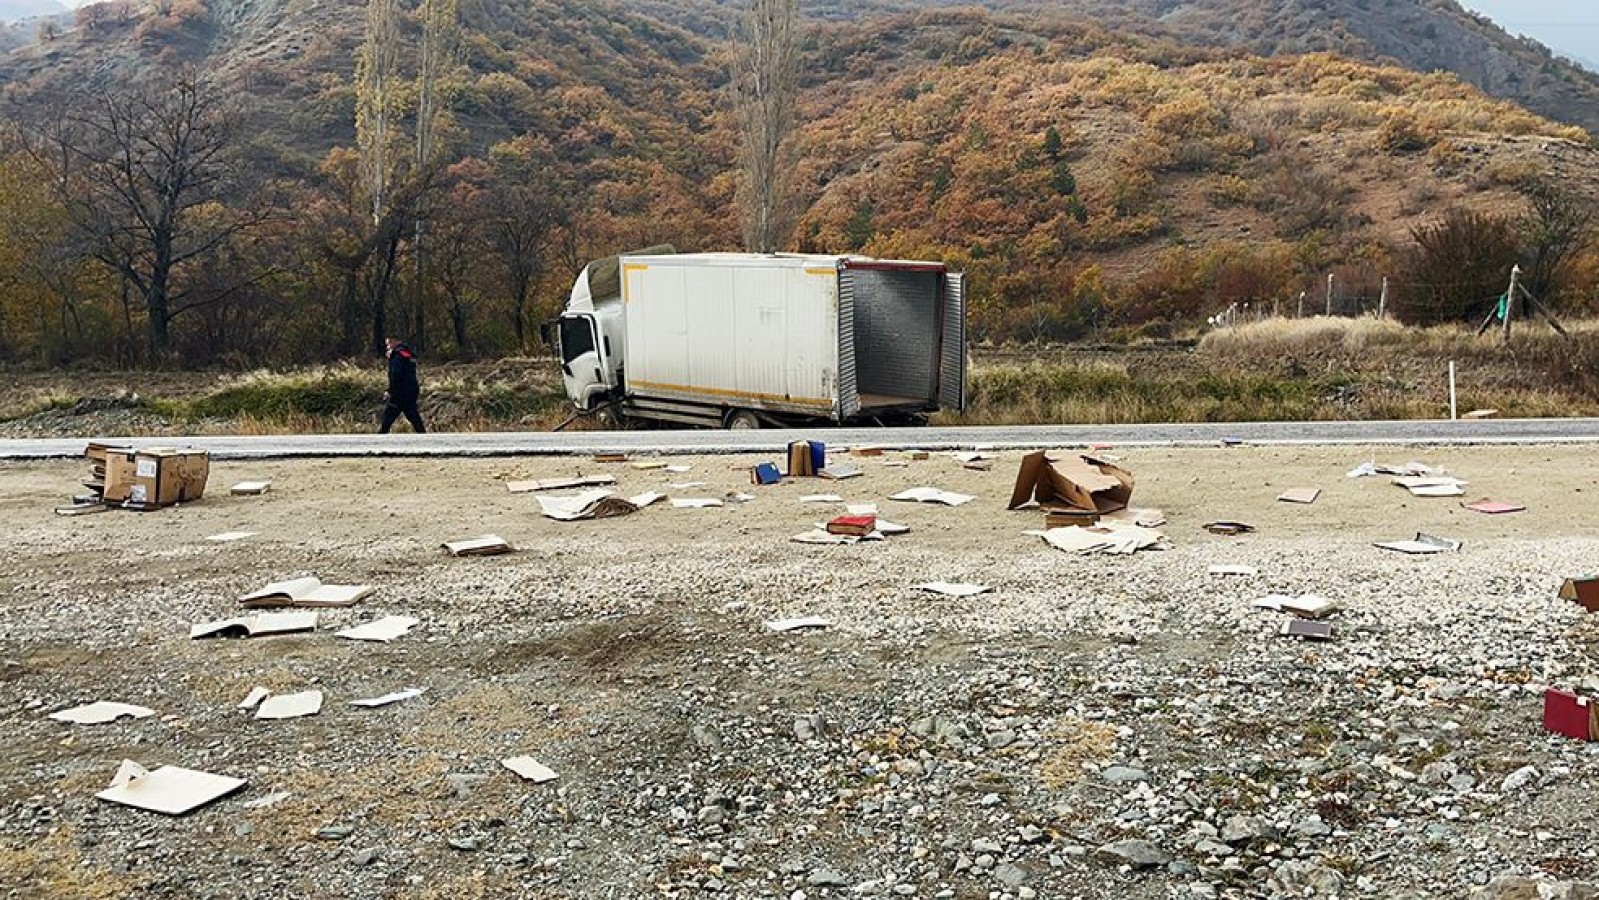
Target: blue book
[(766, 473)]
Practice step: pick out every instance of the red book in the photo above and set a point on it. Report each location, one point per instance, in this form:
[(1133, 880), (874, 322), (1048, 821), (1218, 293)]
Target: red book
[(1568, 714), (856, 525)]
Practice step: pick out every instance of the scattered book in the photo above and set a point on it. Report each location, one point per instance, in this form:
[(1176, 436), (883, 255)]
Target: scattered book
[(765, 473), (949, 589), (932, 495), (172, 790), (290, 706), (1066, 517), (251, 488), (1229, 528), (1308, 606), (858, 526), (1299, 495), (1494, 507), (383, 630), (559, 484), (530, 769), (1571, 715), (1422, 544), (1307, 629), (1583, 591), (598, 503), (256, 626), (839, 473), (308, 591), (487, 545)]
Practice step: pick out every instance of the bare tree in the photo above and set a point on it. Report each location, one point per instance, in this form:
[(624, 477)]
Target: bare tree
[(142, 173), (767, 82), (441, 35)]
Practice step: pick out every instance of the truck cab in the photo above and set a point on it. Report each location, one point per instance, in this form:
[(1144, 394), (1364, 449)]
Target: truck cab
[(590, 333)]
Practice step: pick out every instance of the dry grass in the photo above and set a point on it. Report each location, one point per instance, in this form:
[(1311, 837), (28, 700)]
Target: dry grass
[(1074, 743), (54, 869)]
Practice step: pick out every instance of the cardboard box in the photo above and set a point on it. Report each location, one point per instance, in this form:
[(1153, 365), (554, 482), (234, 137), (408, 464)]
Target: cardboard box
[(1584, 591), (155, 478), (1081, 482), (1571, 715)]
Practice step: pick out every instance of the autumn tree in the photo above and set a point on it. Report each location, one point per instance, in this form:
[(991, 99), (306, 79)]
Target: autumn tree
[(1455, 267), (522, 214), (767, 82), (142, 174), (441, 35), (1555, 231)]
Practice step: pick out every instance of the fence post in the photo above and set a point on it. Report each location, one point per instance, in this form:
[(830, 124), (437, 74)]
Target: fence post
[(1330, 277), (1510, 299), (1382, 302)]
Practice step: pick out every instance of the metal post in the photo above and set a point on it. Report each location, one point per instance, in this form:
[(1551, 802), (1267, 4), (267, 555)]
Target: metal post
[(1510, 299), (1382, 302), (1330, 277), (1454, 411)]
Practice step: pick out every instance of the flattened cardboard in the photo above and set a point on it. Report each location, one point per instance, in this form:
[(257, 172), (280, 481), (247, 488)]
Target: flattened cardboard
[(255, 626), (171, 790), (839, 473), (1080, 482), (290, 706), (308, 591), (1584, 591), (487, 545), (101, 712), (530, 769), (559, 484), (250, 488), (254, 698), (695, 502), (1571, 715), (383, 630), (1299, 495), (1308, 606)]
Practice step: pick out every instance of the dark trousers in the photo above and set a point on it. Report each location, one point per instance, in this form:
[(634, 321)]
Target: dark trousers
[(395, 408)]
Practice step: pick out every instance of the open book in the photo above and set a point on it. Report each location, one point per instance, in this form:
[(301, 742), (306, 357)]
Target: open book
[(307, 591)]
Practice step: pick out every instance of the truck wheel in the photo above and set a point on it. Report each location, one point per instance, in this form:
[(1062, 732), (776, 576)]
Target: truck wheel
[(742, 420)]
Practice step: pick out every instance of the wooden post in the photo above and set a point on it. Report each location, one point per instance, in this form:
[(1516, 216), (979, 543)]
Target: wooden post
[(1454, 410), (1510, 300), (1301, 313), (1330, 278), (1382, 302)]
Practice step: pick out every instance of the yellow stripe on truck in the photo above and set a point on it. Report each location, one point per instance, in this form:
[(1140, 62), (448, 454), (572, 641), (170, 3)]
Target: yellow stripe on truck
[(821, 271), (628, 269), (737, 395)]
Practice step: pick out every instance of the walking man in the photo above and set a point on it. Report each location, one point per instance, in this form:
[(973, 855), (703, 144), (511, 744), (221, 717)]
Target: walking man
[(404, 389)]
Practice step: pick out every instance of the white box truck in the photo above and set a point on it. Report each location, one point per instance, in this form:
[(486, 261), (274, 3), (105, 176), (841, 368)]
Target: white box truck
[(743, 340)]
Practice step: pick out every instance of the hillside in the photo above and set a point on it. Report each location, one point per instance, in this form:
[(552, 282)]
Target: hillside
[(1091, 174)]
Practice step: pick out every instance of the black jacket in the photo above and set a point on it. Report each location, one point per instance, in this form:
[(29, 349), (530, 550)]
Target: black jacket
[(403, 386)]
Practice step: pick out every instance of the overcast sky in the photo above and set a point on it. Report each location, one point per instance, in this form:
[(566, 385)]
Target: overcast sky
[(1568, 27)]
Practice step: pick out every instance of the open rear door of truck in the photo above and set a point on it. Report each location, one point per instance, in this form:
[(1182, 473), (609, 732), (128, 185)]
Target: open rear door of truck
[(952, 349)]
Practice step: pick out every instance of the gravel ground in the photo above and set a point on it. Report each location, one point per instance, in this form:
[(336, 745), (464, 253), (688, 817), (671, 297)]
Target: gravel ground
[(1124, 727)]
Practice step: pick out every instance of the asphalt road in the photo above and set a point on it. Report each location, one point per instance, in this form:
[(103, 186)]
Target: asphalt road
[(1487, 431)]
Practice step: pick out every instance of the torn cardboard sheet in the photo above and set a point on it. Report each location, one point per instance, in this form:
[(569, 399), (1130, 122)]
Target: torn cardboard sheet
[(1299, 495), (595, 504), (250, 488), (1112, 538), (781, 626), (383, 630), (228, 537), (558, 484), (1144, 518), (290, 706), (695, 502), (1076, 482), (1307, 606), (255, 626), (100, 713), (932, 495), (1494, 507), (386, 699), (1422, 544), (953, 589), (1247, 571), (648, 498), (172, 790), (530, 769), (254, 698), (487, 545), (308, 591)]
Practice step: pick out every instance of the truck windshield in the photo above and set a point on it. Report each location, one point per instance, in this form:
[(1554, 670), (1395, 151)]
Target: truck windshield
[(577, 337)]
